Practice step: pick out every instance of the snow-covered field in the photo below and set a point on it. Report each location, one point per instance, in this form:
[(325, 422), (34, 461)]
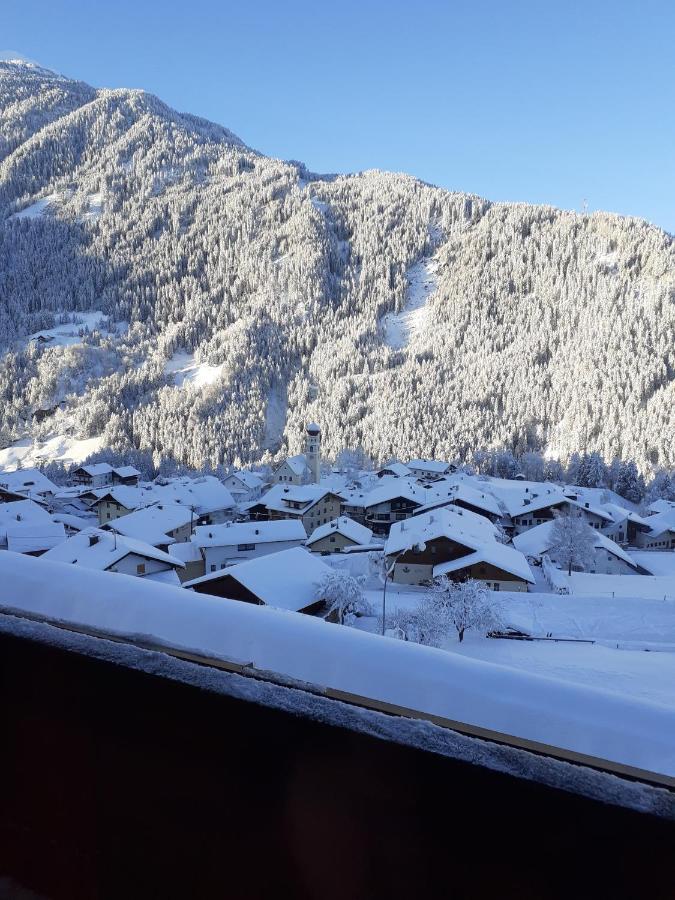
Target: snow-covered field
[(69, 334), (26, 453), (633, 654), (401, 328), (188, 373)]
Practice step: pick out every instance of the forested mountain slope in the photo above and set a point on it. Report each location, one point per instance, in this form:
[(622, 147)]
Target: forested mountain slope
[(243, 296)]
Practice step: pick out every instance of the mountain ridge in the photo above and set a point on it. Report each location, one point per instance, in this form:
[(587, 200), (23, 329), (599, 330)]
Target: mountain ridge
[(283, 278)]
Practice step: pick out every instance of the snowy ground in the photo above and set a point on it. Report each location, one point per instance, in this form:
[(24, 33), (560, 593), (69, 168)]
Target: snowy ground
[(26, 453), (69, 334), (188, 373), (403, 327), (275, 417), (633, 654)]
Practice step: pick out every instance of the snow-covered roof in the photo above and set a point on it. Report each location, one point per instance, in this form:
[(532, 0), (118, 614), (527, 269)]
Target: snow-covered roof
[(22, 511), (94, 469), (233, 533), (663, 521), (281, 495), (152, 523), (396, 468), (286, 580), (249, 480), (297, 464), (126, 496), (658, 506), (432, 466), (491, 553), (32, 537), (620, 513), (346, 527), (392, 489), (185, 551), (539, 540), (463, 492), (461, 525), (126, 472), (206, 494), (94, 548), (580, 717), (27, 481)]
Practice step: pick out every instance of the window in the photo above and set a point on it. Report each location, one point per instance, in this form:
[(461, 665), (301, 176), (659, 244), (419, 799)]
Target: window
[(496, 587), (140, 569), (213, 568), (242, 547)]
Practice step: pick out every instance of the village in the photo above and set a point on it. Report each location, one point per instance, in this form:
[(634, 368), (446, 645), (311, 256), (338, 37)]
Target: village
[(325, 541)]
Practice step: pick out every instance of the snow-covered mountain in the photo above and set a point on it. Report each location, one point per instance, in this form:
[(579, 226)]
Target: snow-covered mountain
[(234, 297)]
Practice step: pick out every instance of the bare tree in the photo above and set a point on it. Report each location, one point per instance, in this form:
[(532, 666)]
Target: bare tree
[(573, 540)]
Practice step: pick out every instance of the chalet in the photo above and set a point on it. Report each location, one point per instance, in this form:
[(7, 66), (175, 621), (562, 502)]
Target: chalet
[(95, 475), (394, 470), (338, 535), (312, 504), (93, 548), (287, 580), (464, 496), (661, 533), (29, 483), (125, 475), (456, 543), (158, 525), (608, 557), (535, 507), (207, 498), (429, 469), (244, 486), (114, 502), (625, 525), (294, 470), (234, 542), (392, 502)]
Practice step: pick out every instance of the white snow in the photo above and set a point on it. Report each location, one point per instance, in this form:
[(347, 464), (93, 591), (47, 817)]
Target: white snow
[(59, 447), (402, 328), (275, 417), (39, 208), (582, 715), (188, 373), (94, 206), (657, 562), (69, 334)]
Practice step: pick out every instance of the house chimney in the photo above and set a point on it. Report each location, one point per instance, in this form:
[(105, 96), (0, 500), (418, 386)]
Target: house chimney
[(586, 505), (93, 539)]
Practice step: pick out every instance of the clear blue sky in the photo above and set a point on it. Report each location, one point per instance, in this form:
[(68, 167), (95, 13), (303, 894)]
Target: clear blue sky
[(549, 102)]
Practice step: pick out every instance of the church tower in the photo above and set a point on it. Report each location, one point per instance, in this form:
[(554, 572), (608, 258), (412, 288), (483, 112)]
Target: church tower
[(313, 451)]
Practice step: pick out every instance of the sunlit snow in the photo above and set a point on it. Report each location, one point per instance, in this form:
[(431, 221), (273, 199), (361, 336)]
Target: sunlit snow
[(401, 328), (188, 373)]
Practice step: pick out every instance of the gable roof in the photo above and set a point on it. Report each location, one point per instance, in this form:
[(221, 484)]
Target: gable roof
[(297, 464), (398, 469), (280, 495), (234, 533), (538, 540), (107, 549), (125, 495), (286, 580), (451, 522), (25, 481), (206, 494), (126, 472), (248, 479), (346, 527), (152, 523), (501, 556), (32, 537), (94, 469), (433, 466)]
